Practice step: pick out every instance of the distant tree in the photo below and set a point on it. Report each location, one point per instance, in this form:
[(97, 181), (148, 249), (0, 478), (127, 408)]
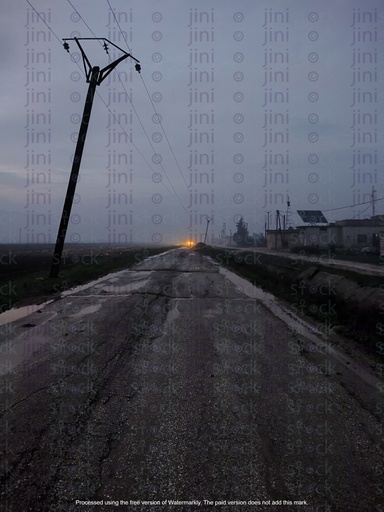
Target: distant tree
[(241, 237)]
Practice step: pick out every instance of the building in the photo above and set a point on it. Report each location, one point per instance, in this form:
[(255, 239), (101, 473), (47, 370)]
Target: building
[(279, 239), (355, 234), (381, 237)]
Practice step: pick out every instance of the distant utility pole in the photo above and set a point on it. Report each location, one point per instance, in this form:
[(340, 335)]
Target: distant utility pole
[(278, 229), (288, 216), (94, 76), (206, 231), (266, 229), (223, 233), (373, 201)]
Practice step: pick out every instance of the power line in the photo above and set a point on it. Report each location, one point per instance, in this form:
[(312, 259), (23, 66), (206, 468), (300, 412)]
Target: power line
[(149, 140), (150, 99), (134, 145), (82, 19), (362, 211), (352, 205), (165, 135), (176, 196), (118, 74), (43, 20), (82, 70), (130, 138), (118, 24)]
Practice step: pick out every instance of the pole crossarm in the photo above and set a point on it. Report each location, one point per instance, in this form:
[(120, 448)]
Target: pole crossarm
[(107, 69)]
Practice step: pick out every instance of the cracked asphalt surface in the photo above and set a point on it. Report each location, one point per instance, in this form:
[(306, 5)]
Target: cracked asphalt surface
[(168, 382)]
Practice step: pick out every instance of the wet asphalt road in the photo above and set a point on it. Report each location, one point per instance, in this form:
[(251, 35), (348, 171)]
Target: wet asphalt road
[(167, 382)]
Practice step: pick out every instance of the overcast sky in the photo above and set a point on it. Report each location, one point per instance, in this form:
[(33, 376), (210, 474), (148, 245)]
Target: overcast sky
[(257, 100)]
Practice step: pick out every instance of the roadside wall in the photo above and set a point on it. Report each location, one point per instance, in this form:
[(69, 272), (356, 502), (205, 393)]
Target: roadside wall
[(338, 295)]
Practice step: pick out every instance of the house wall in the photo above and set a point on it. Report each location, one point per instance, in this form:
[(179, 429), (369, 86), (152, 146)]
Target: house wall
[(325, 237), (381, 235), (289, 237), (316, 236), (351, 236), (272, 243)]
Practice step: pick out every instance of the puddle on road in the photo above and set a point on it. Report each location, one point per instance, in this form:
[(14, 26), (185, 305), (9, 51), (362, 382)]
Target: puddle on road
[(157, 255), (86, 311), (17, 313), (32, 338), (113, 277), (126, 288), (37, 332), (152, 259)]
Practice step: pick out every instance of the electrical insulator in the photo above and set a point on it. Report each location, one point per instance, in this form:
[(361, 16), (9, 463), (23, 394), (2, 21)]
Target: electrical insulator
[(66, 46), (105, 47), (138, 68)]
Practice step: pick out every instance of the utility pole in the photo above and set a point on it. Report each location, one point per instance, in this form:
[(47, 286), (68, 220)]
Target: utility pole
[(288, 214), (278, 229), (277, 224), (94, 76), (373, 201), (206, 231), (223, 234), (266, 228)]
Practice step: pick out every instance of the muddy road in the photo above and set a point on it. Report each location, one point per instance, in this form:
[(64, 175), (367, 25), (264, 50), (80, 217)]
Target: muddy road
[(171, 381)]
